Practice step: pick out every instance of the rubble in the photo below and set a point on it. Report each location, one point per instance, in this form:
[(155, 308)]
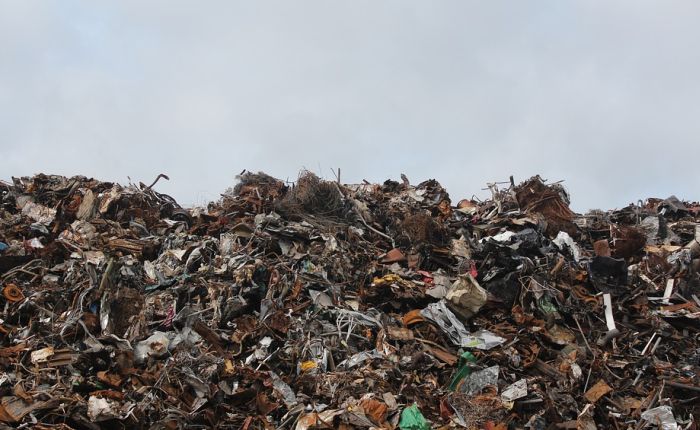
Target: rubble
[(320, 305)]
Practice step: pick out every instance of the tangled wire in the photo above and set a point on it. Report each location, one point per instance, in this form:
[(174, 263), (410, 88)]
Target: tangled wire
[(313, 195)]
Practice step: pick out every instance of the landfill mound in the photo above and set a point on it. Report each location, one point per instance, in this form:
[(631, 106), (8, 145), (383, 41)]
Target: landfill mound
[(318, 305)]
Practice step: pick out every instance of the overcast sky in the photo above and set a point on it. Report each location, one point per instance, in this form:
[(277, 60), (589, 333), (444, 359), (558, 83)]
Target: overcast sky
[(602, 94)]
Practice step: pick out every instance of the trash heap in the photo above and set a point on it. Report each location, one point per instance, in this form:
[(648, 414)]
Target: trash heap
[(317, 305)]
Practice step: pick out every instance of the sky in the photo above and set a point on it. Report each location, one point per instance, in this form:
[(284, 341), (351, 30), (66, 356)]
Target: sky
[(604, 95)]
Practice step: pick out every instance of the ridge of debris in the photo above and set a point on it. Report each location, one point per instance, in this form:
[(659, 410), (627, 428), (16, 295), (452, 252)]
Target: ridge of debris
[(320, 305)]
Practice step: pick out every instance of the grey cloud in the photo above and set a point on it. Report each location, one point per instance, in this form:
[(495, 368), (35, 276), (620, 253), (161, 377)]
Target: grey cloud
[(601, 94)]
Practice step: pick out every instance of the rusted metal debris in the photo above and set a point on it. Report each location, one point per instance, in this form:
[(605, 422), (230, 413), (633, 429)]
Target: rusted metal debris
[(317, 305)]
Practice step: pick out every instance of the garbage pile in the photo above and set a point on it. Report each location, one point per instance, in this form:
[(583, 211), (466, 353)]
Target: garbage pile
[(318, 305)]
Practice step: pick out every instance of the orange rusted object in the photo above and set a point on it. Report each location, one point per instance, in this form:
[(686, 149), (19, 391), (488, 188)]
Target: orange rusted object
[(12, 293)]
